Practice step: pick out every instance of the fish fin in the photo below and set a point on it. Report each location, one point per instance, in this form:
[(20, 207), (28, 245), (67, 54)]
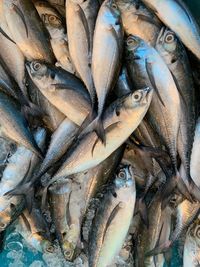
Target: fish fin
[(85, 25), (142, 210), (96, 126), (114, 34), (152, 80), (111, 217), (148, 19), (26, 222), (159, 249), (6, 36), (179, 89), (109, 128), (20, 13), (88, 120), (175, 181), (69, 218), (44, 198)]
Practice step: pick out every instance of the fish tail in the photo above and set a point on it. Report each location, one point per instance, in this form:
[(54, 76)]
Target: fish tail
[(32, 109)]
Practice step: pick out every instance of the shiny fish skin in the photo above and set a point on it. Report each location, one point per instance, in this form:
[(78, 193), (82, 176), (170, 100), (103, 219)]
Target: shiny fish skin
[(178, 18), (72, 100), (80, 19), (108, 230), (138, 20), (107, 51), (58, 38), (30, 36), (127, 113), (165, 109)]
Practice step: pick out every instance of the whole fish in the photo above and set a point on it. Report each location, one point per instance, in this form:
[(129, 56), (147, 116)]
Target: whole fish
[(108, 230), (138, 20), (58, 38), (10, 53), (80, 19), (59, 198), (183, 23), (62, 89), (120, 120), (146, 67), (28, 30), (191, 256), (86, 185), (20, 166), (14, 125), (174, 54), (106, 57)]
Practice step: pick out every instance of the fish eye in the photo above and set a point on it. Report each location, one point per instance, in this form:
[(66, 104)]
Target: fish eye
[(169, 38), (114, 6), (137, 96), (122, 174), (37, 66), (50, 249), (67, 254), (197, 232), (52, 18), (131, 41), (2, 225)]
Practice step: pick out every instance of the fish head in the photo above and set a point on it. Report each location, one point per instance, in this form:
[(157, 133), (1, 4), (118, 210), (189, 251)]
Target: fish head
[(51, 20), (138, 98), (136, 48), (68, 250), (194, 232), (47, 246), (36, 69), (112, 15), (124, 176), (167, 41)]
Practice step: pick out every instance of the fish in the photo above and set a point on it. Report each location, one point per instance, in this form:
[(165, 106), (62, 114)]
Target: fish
[(191, 256), (108, 230), (186, 213), (80, 21), (183, 23), (59, 5), (62, 89), (14, 126), (146, 67), (27, 30), (28, 228), (54, 23), (123, 85), (20, 166), (138, 20), (11, 54), (59, 198), (106, 58), (52, 117), (86, 185), (157, 232), (121, 119), (174, 54)]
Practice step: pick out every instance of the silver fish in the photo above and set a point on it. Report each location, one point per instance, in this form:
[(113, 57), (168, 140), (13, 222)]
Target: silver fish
[(183, 23)]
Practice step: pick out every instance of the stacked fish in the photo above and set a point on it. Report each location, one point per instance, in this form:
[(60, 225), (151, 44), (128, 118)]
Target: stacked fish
[(101, 101)]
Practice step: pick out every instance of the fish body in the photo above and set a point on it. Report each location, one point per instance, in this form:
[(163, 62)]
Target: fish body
[(108, 230), (28, 30), (138, 20), (147, 67), (80, 19), (107, 51), (176, 16), (177, 61), (62, 89), (123, 116), (58, 38)]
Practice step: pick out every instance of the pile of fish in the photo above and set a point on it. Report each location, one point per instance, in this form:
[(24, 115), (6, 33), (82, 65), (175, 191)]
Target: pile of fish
[(100, 134)]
